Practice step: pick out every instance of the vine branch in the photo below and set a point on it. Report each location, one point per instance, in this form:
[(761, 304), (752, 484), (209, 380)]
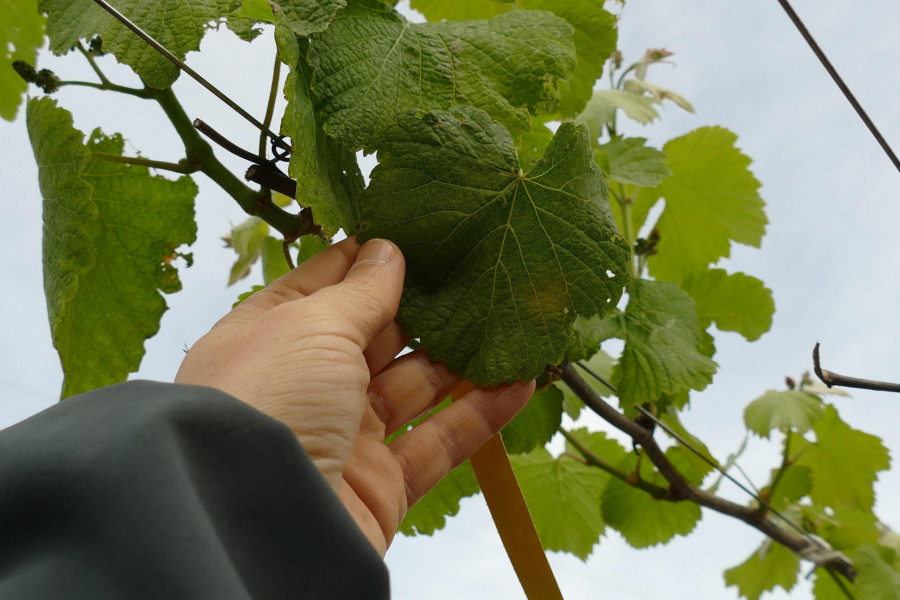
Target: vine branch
[(830, 378), (680, 489), (270, 106), (184, 166)]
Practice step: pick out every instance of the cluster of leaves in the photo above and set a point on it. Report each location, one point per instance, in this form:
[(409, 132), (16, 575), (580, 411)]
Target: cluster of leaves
[(494, 176)]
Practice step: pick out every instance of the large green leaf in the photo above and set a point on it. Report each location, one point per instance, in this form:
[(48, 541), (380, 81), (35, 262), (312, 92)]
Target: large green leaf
[(562, 498), (595, 35), (303, 17), (712, 199), (21, 34), (771, 566), (371, 64), (844, 463), (662, 341), (110, 232), (734, 302), (431, 511), (783, 411), (641, 519), (499, 262), (536, 424), (328, 178)]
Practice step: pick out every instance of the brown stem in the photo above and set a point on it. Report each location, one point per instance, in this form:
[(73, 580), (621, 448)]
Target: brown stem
[(682, 490), (830, 378), (184, 167)]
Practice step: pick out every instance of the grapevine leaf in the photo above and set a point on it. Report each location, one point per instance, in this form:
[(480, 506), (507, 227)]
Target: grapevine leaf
[(878, 579), (561, 495), (638, 87), (589, 333), (599, 444), (662, 337), (600, 363), (694, 468), (247, 240), (630, 160), (601, 109), (110, 233), (310, 245), (826, 589), (795, 483), (595, 35), (847, 528), (711, 198), (247, 294), (532, 144), (782, 410), (429, 514), (844, 463), (328, 178), (21, 34), (274, 264), (179, 25), (402, 66), (734, 302), (641, 519), (495, 275), (771, 566), (536, 424), (302, 17)]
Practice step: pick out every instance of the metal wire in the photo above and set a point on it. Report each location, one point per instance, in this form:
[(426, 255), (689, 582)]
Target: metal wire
[(276, 139)]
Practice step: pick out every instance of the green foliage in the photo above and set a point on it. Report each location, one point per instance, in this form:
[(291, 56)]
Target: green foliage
[(495, 277), (536, 424), (434, 66), (771, 566), (844, 462), (630, 160), (784, 411), (562, 497), (603, 106), (662, 340), (711, 201), (21, 34), (429, 514), (734, 302), (111, 233)]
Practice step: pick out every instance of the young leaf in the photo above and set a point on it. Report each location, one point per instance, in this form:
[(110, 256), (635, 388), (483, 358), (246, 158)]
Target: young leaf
[(21, 34), (431, 511), (630, 160), (601, 109), (247, 240), (771, 566), (662, 337), (711, 198), (641, 519), (403, 66), (734, 302), (783, 411), (274, 263), (110, 232), (328, 177), (499, 262), (844, 463), (562, 498), (536, 424)]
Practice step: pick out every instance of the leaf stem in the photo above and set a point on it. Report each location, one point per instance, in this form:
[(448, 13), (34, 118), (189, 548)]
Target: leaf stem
[(145, 93), (253, 202), (270, 107), (785, 463), (184, 166), (593, 460), (93, 64)]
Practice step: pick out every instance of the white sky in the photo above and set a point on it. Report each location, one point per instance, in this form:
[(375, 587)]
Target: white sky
[(830, 256)]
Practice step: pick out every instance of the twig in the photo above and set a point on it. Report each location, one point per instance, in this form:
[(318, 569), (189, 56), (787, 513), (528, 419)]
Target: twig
[(830, 378), (681, 489), (224, 142), (140, 93), (286, 248), (93, 63), (272, 179), (184, 166), (270, 107)]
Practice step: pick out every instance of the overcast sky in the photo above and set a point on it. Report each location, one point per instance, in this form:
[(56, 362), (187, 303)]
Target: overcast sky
[(830, 256)]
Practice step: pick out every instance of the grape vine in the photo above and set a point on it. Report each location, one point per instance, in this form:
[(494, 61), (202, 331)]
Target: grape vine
[(535, 228)]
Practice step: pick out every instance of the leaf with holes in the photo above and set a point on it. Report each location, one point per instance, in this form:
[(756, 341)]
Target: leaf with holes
[(111, 231), (371, 64), (499, 262)]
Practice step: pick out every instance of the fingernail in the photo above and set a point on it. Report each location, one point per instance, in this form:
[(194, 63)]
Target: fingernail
[(375, 251)]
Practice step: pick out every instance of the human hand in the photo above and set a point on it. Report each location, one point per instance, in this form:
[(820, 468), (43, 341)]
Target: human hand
[(316, 350)]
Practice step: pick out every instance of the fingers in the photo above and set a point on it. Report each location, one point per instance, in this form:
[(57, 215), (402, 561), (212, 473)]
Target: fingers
[(409, 387), (365, 302), (430, 451), (385, 347)]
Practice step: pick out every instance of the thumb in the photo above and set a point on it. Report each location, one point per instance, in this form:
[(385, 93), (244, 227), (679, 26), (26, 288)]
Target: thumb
[(366, 301)]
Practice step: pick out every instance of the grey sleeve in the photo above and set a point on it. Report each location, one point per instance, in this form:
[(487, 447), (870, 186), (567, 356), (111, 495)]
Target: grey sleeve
[(151, 490)]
